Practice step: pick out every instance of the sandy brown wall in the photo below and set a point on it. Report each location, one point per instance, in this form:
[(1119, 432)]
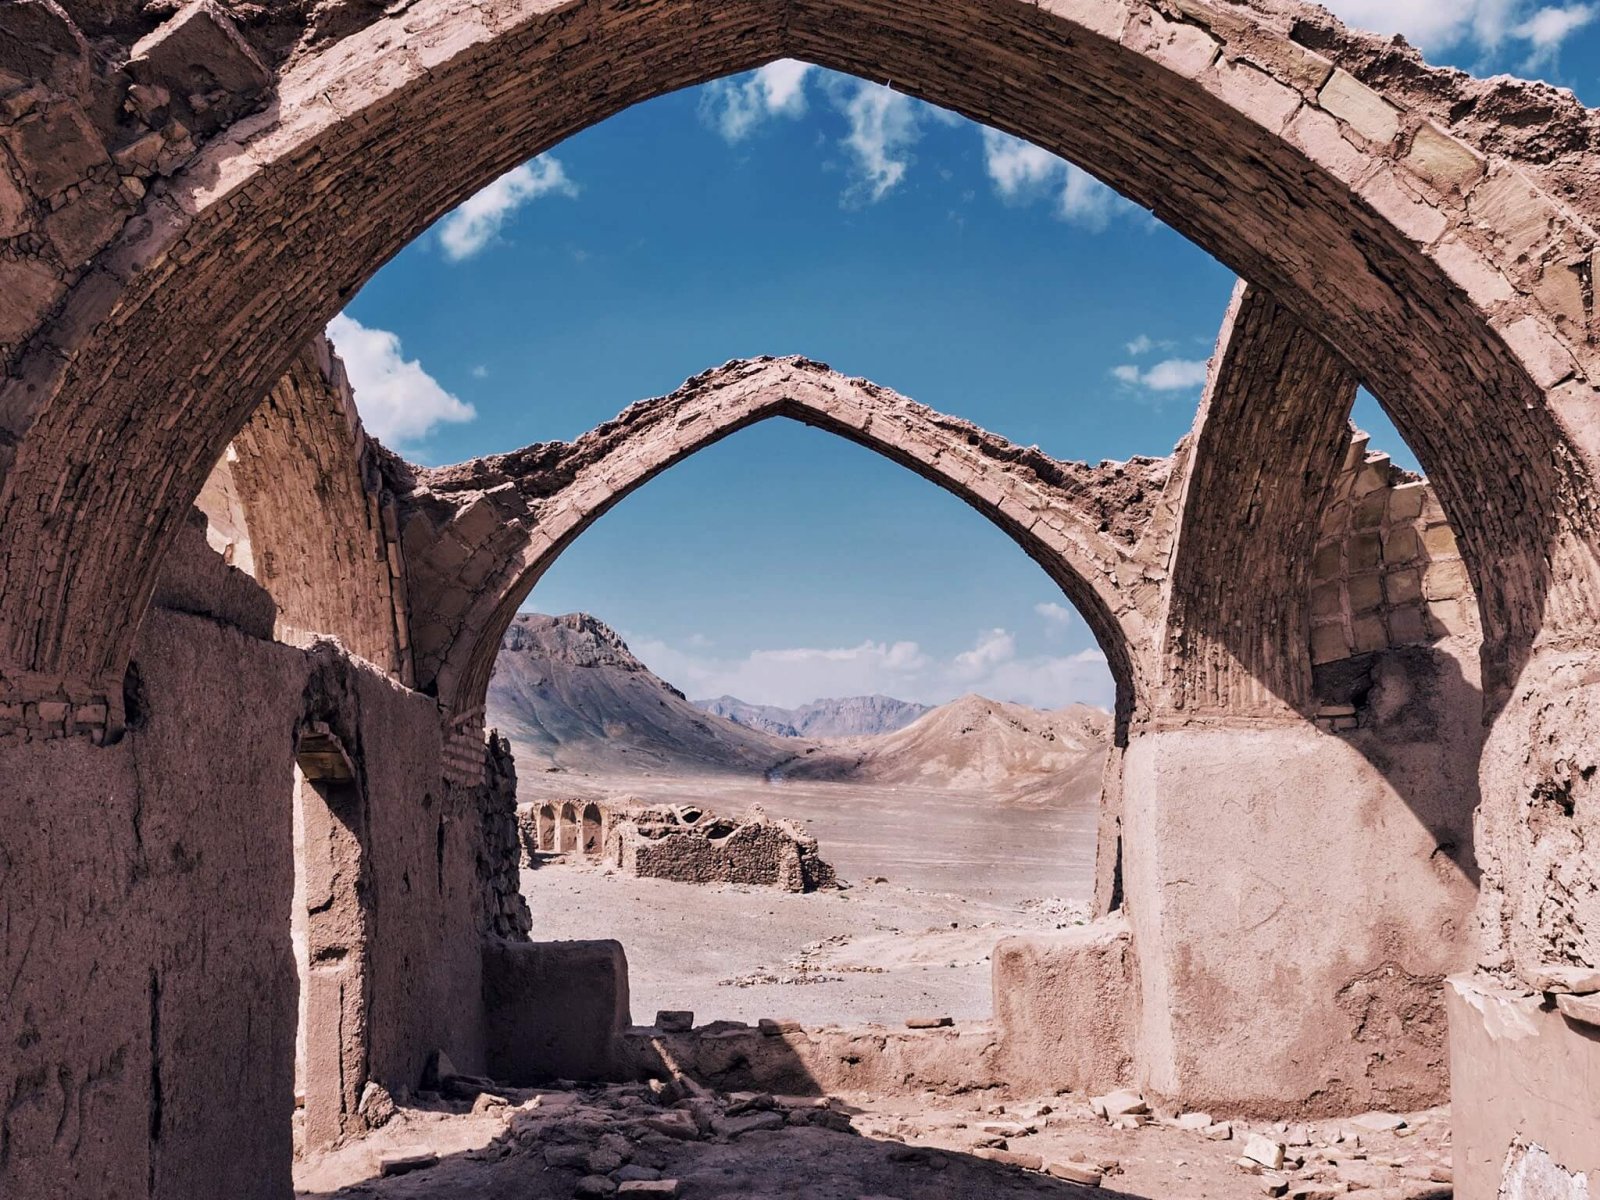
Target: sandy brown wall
[(1297, 897), (147, 987)]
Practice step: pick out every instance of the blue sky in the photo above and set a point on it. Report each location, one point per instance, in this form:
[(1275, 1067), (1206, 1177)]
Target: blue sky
[(796, 211)]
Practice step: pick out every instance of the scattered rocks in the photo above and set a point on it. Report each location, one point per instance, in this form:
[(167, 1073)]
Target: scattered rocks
[(405, 1164), (674, 1020), (376, 1106), (1574, 981), (1119, 1104), (1075, 1173), (649, 1187), (595, 1185), (1377, 1122), (1263, 1151), (929, 1022)]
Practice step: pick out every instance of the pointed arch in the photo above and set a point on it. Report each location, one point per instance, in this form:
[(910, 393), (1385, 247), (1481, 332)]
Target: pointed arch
[(1395, 228), (482, 535)]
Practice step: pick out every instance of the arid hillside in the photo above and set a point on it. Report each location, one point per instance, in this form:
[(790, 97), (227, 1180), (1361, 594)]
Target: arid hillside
[(977, 744), (571, 697), (574, 700)]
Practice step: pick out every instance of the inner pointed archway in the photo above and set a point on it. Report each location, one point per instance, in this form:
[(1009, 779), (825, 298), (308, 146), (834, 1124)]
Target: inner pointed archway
[(488, 532)]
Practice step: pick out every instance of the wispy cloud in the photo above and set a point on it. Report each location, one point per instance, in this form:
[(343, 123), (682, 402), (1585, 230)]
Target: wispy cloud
[(471, 227), (1023, 173), (399, 402), (1056, 614), (1169, 375), (992, 667), (883, 126), (1485, 25), (736, 107)]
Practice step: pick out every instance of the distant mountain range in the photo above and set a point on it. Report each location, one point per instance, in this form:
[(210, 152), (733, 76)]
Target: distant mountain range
[(852, 716), (572, 698)]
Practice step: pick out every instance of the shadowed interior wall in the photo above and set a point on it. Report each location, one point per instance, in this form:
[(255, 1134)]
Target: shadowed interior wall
[(130, 990)]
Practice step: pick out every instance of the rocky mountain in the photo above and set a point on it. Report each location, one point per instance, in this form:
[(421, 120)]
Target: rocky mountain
[(851, 716), (978, 744), (571, 696)]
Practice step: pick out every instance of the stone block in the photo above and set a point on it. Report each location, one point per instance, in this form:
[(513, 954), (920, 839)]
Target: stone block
[(1369, 634), (1444, 162), (553, 1010), (196, 50), (1402, 207), (1365, 552), (1446, 580), (1403, 586), (1450, 618), (1408, 627), (1064, 1005), (1363, 109), (55, 148), (1521, 218), (1401, 545), (1329, 561), (1368, 511), (1439, 542), (1326, 600), (1328, 644), (1365, 591), (1405, 501)]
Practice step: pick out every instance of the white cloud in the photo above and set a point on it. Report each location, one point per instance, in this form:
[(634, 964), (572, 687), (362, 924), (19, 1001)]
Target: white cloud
[(1022, 172), (1141, 345), (884, 125), (992, 667), (1547, 28), (1169, 375), (480, 372), (736, 107), (1057, 614), (398, 401), (475, 224), (1439, 25)]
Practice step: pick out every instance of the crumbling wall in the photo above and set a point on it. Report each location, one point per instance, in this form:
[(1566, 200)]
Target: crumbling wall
[(319, 532), (146, 913), (503, 845), (1387, 571), (661, 843)]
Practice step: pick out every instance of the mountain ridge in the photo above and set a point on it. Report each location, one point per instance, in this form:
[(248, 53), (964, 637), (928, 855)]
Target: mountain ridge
[(831, 717), (572, 698)]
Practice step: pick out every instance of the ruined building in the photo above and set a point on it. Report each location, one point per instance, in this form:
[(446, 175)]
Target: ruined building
[(1393, 686), (680, 842)]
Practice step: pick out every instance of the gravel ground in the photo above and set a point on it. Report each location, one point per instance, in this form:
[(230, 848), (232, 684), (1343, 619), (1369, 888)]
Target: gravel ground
[(937, 878)]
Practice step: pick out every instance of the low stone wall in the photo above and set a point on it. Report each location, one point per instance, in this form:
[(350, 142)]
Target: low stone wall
[(659, 843), (1065, 1008), (784, 1059), (553, 1010)]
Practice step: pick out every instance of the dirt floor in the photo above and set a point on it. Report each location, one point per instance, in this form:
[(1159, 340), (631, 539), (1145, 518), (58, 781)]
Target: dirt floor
[(936, 879), (611, 1140)]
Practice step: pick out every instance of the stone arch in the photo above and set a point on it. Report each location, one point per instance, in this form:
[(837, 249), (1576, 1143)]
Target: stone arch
[(479, 537), (1426, 245), (593, 838), (297, 502), (547, 828), (567, 828)]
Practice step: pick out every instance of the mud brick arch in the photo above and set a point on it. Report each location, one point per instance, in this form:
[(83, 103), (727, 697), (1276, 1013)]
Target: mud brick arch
[(1408, 217), (478, 537)]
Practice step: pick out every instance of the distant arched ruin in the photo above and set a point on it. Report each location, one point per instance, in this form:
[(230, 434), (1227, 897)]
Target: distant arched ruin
[(1361, 708)]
